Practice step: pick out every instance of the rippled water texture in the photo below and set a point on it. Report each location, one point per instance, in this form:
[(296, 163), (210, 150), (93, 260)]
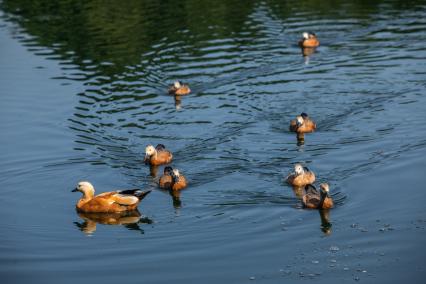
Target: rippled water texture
[(83, 88)]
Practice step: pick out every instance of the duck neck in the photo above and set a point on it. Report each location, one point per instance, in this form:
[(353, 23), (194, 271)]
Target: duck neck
[(323, 196), (175, 179), (87, 196)]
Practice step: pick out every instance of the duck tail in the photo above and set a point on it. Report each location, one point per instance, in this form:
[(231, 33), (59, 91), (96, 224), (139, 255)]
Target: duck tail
[(142, 194), (136, 192)]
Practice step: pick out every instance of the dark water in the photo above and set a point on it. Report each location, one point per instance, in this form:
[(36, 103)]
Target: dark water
[(82, 87)]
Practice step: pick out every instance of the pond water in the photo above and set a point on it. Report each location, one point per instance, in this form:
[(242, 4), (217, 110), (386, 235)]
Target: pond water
[(83, 91)]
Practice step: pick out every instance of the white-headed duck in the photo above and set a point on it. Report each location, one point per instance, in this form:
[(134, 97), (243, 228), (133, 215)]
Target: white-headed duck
[(317, 199), (309, 40), (158, 155), (301, 176), (108, 202), (179, 89), (302, 124), (172, 179)]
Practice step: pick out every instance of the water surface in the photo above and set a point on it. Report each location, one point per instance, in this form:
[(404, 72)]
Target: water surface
[(83, 91)]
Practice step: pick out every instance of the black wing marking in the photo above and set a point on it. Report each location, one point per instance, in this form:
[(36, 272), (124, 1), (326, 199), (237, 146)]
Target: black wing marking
[(160, 147)]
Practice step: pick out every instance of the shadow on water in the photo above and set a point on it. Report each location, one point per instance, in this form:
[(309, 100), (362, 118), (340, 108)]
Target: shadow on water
[(131, 220)]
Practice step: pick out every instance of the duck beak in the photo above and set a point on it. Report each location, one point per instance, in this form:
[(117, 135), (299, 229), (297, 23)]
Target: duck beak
[(146, 159), (74, 190)]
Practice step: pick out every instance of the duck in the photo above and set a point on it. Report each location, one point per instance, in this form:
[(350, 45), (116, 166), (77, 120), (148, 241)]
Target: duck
[(315, 199), (309, 40), (301, 176), (179, 89), (302, 124), (166, 179), (107, 202), (158, 155), (172, 179)]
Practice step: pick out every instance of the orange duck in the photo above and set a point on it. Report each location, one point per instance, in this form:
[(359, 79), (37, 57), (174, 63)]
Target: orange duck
[(108, 202), (317, 200), (309, 40), (157, 156), (172, 179), (302, 124), (179, 89), (301, 176)]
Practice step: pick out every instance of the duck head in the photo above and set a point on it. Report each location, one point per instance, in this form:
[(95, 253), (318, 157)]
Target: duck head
[(86, 188), (299, 120), (176, 175), (168, 171), (325, 188), (149, 151), (306, 35), (177, 84), (298, 169)]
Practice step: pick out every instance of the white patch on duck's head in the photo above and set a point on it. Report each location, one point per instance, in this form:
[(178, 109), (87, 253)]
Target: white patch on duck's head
[(305, 35), (86, 188), (149, 150), (298, 169), (299, 120), (176, 172), (177, 84), (325, 187)]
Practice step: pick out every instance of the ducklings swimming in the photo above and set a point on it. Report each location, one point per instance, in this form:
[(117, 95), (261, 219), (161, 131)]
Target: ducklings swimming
[(302, 124), (301, 176), (309, 40), (172, 179), (179, 89), (158, 155), (108, 202), (317, 200)]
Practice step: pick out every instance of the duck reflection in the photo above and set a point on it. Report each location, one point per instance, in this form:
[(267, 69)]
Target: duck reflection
[(176, 201), (178, 102), (153, 170), (307, 51), (325, 221), (300, 139), (299, 191), (129, 219)]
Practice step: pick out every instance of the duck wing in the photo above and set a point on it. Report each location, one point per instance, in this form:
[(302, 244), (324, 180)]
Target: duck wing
[(312, 198), (311, 190), (160, 147), (124, 199)]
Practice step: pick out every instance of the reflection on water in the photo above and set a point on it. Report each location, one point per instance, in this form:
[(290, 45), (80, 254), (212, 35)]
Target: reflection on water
[(129, 219), (299, 191), (178, 102), (325, 221), (177, 203), (153, 171)]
